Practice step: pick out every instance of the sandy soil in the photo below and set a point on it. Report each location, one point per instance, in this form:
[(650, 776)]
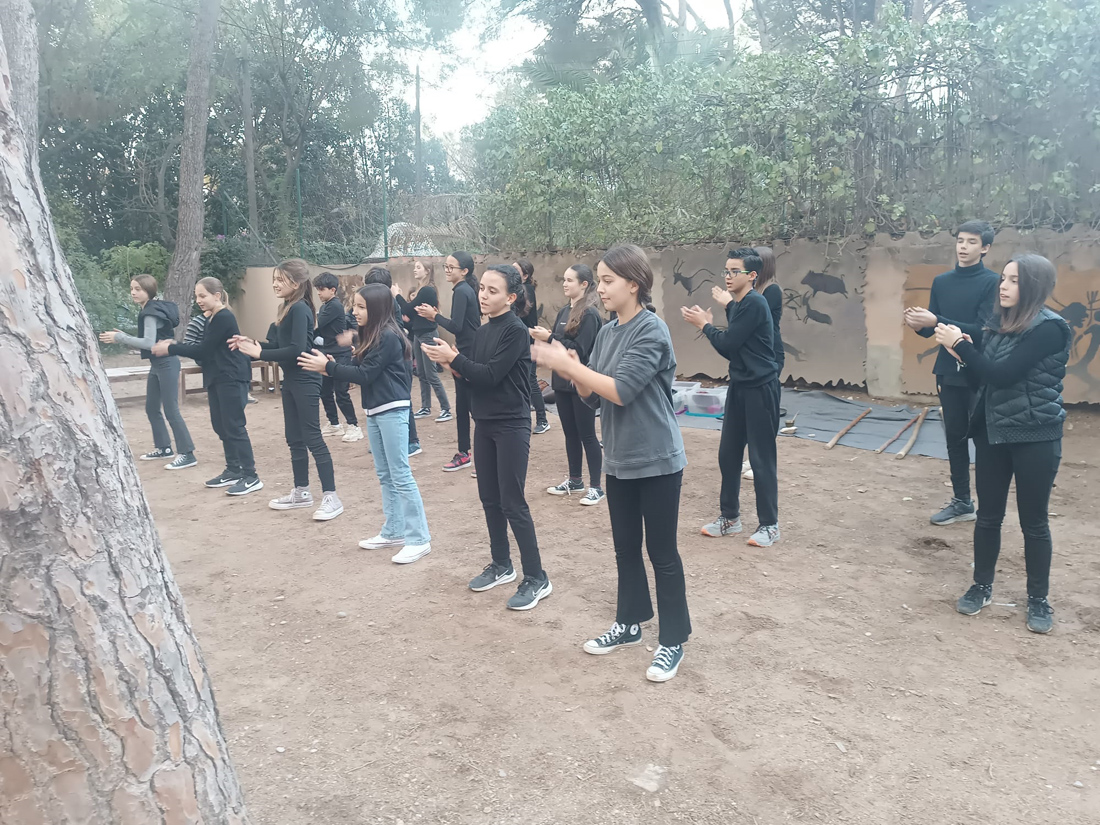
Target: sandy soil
[(829, 679)]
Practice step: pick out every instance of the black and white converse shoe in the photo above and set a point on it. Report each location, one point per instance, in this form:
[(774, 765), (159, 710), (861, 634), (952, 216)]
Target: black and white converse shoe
[(157, 454), (618, 636), (182, 462)]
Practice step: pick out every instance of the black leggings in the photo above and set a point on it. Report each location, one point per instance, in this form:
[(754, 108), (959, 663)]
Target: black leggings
[(500, 458), (655, 503), (302, 424), (1034, 466), (956, 405), (336, 394), (752, 419), (462, 414), (537, 400), (228, 400), (578, 422)]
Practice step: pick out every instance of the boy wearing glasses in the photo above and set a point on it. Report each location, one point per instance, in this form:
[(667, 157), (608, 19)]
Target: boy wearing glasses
[(752, 404)]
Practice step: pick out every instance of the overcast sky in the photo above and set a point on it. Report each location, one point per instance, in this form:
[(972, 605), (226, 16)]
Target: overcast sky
[(458, 92)]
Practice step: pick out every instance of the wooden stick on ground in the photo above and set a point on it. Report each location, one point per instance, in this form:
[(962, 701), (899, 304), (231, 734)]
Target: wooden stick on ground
[(904, 451), (898, 434), (843, 432)]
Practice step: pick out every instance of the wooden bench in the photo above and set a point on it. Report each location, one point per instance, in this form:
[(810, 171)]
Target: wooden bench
[(269, 375)]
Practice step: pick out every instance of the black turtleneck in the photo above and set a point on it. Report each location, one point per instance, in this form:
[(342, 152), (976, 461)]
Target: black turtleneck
[(496, 368), (963, 297)]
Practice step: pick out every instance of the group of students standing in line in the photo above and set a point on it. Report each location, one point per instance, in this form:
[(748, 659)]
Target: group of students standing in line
[(1014, 357)]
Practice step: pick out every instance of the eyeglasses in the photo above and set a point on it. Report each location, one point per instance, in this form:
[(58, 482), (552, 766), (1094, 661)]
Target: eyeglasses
[(738, 271)]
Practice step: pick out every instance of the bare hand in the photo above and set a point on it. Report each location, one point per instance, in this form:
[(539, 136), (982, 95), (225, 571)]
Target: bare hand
[(395, 290), (248, 346), (426, 311), (108, 337), (698, 317), (314, 361), (160, 348), (721, 296), (540, 333), (345, 338), (553, 355), (919, 318), (441, 352)]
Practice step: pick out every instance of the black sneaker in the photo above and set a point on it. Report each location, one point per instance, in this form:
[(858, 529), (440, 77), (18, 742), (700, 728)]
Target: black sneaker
[(491, 576), (618, 636), (157, 454), (666, 661), (244, 486), (566, 488), (423, 412), (182, 462), (1040, 615), (974, 599), (954, 512), (541, 427), (225, 478), (531, 591)]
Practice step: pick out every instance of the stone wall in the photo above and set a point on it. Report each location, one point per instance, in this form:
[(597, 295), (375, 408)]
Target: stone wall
[(843, 303)]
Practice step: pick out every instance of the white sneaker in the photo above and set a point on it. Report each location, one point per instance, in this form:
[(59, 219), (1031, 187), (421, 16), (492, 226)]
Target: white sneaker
[(411, 552), (380, 543), (330, 507), (352, 434), (298, 497), (746, 470), (332, 429)]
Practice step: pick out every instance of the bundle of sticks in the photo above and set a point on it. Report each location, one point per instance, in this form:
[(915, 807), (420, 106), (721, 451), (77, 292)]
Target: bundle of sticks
[(904, 451)]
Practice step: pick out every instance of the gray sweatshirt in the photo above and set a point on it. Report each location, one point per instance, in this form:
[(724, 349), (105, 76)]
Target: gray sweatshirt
[(641, 438), (149, 336)]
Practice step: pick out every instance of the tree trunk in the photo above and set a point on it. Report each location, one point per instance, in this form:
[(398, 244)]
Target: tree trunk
[(762, 26), (20, 36), (249, 149), (183, 271), (107, 715)]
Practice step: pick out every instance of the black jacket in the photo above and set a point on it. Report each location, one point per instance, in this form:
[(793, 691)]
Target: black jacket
[(382, 372), (331, 321), (497, 369), (581, 340), (773, 294), (219, 363), (531, 316), (964, 298), (747, 341), (465, 317), (421, 327), (1021, 380), (167, 315), (293, 336)]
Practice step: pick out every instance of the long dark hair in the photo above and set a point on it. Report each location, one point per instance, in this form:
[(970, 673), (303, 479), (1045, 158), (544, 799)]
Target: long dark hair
[(513, 283), (466, 261), (296, 271), (380, 318), (630, 263), (1036, 277), (767, 271), (527, 270), (589, 299)]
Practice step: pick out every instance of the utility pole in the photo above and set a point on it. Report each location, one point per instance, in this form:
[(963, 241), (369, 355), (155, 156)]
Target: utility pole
[(418, 158)]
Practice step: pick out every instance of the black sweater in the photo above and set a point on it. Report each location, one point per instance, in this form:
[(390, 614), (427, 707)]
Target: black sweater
[(497, 370), (382, 372), (418, 326), (531, 314), (962, 297), (746, 341), (773, 294), (293, 336), (580, 340), (331, 321), (465, 316), (219, 362)]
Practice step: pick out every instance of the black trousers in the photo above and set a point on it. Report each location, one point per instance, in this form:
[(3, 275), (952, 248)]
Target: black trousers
[(336, 394), (956, 405), (501, 450), (752, 420), (537, 400), (302, 425), (655, 503), (462, 414), (413, 437), (1034, 466), (578, 422), (228, 400)]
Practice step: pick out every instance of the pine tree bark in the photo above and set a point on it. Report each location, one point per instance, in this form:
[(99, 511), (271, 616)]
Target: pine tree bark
[(107, 715), (249, 148), (183, 270)]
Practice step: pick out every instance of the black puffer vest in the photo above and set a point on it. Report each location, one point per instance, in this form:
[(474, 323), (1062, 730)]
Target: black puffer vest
[(1030, 410), (167, 315)]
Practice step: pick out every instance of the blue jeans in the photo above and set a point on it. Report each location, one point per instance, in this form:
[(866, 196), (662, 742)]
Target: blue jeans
[(401, 503)]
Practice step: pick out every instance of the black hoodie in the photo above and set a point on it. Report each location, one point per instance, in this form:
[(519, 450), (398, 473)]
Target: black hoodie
[(167, 316)]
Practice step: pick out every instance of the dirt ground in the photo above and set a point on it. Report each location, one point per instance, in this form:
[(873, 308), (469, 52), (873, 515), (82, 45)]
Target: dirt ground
[(829, 679)]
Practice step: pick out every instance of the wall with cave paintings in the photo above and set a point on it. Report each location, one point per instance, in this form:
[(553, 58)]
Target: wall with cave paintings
[(843, 302)]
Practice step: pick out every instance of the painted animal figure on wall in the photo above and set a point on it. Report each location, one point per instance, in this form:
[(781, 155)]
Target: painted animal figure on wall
[(829, 284), (689, 282)]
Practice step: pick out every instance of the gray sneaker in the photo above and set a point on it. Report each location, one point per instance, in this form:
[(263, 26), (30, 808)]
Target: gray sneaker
[(330, 508), (765, 536), (297, 498), (531, 591), (973, 600), (722, 526), (954, 512), (491, 576)]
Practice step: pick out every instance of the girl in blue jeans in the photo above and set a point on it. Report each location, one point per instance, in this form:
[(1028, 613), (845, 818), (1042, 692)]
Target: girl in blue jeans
[(379, 367)]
